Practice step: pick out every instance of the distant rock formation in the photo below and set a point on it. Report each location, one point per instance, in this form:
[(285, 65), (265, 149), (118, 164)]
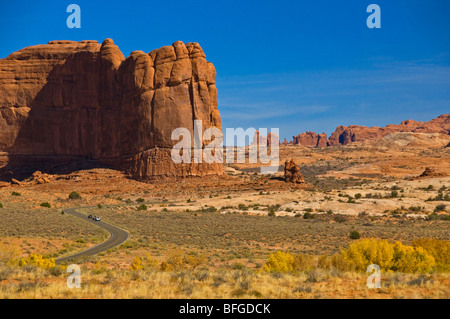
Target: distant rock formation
[(311, 139), (344, 135), (83, 100), (429, 172), (292, 173), (270, 139)]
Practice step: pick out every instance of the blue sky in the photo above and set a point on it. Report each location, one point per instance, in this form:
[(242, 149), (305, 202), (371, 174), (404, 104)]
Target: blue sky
[(295, 65)]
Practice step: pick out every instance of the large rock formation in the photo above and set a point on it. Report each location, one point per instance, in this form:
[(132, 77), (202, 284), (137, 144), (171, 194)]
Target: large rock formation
[(292, 173), (344, 135), (71, 100), (348, 134), (311, 139)]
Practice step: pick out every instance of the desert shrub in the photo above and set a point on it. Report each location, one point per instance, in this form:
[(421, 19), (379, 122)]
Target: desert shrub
[(415, 209), (433, 216), (242, 207), (210, 209), (142, 207), (179, 260), (440, 208), (308, 215), (46, 205), (271, 213), (355, 234), (363, 214), (303, 262), (324, 262), (439, 249), (340, 218), (1, 205), (74, 195), (150, 262), (38, 261), (8, 254), (100, 206), (358, 195), (238, 266), (137, 264), (140, 200), (280, 262), (16, 194)]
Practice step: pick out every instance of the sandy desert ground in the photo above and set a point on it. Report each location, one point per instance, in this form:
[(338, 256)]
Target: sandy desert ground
[(230, 225)]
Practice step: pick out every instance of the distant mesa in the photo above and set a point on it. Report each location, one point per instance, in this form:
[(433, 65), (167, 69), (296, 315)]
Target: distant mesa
[(67, 102), (344, 135)]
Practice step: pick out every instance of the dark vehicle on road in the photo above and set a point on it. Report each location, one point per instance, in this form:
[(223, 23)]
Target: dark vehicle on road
[(90, 216)]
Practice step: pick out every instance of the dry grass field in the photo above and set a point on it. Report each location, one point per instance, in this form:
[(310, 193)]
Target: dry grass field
[(223, 229)]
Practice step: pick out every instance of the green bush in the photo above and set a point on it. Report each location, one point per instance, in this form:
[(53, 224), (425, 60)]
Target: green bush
[(355, 234), (210, 209), (308, 215), (46, 204), (142, 207), (16, 194), (242, 207), (74, 195)]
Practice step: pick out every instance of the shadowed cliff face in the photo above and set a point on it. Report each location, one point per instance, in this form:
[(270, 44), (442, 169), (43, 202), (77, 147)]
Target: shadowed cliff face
[(83, 101)]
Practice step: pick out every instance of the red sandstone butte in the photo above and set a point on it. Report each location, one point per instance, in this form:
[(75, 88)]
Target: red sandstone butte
[(83, 100)]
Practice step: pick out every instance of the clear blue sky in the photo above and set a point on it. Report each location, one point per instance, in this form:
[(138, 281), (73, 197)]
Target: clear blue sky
[(296, 65)]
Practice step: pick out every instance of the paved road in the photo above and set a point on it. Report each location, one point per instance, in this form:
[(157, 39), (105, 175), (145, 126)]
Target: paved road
[(118, 236)]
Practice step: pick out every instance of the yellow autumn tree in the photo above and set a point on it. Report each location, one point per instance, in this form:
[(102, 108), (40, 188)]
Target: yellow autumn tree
[(389, 256), (439, 249), (410, 259), (362, 253), (280, 261)]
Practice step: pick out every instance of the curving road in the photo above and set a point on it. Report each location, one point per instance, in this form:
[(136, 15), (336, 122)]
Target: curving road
[(118, 236)]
